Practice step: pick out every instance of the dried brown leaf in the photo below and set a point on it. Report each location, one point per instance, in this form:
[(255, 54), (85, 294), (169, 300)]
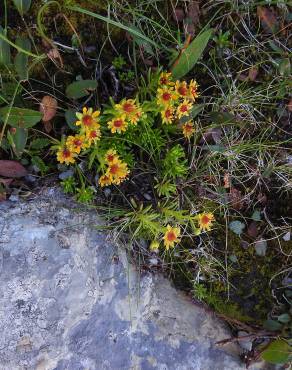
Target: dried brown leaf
[(48, 106), (192, 17), (178, 14), (289, 106), (12, 169), (252, 73)]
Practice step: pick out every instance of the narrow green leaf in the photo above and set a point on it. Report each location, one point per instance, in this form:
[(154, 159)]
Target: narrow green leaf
[(79, 89), (21, 59), (4, 49), (20, 117), (191, 55), (132, 31), (22, 6), (278, 352)]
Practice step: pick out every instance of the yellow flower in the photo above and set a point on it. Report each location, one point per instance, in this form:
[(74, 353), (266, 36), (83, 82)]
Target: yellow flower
[(117, 171), (188, 129), (193, 90), (104, 180), (130, 110), (205, 221), (165, 79), (87, 119), (184, 109), (165, 95), (182, 89), (171, 236), (167, 115), (111, 156), (76, 143), (93, 134), (65, 155), (118, 125)]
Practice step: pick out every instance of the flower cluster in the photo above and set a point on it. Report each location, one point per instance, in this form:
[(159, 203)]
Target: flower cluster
[(172, 234), (117, 171), (125, 113), (175, 101), (89, 134)]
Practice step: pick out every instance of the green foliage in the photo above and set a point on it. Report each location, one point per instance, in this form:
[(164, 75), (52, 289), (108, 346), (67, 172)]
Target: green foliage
[(277, 352), (175, 164), (165, 188), (79, 89), (69, 185), (119, 62), (20, 117), (4, 50), (191, 55), (21, 59), (22, 6), (85, 195)]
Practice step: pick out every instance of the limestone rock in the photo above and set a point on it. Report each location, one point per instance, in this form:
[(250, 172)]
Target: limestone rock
[(71, 301)]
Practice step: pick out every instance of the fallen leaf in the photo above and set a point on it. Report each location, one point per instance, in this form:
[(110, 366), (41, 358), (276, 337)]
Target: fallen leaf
[(12, 169), (268, 18), (178, 14), (236, 198), (48, 106), (262, 198), (252, 73), (252, 229), (289, 106)]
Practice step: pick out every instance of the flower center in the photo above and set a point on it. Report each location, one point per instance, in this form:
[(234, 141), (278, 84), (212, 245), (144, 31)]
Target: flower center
[(110, 158), (183, 91), (66, 153), (128, 107), (166, 96), (205, 220), (114, 169), (168, 113), (184, 108), (171, 236), (118, 123), (163, 80), (77, 142), (93, 134), (87, 120)]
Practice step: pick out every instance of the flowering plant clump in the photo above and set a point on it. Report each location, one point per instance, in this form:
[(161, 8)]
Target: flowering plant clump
[(126, 138)]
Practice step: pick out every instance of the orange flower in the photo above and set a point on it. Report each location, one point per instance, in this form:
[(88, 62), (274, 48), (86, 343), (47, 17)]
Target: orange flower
[(167, 115), (65, 155), (171, 236), (118, 125), (188, 129), (76, 143), (93, 135), (193, 90), (182, 89), (104, 180), (165, 79), (165, 95), (117, 171), (111, 156), (87, 119), (130, 110), (183, 109), (205, 221)]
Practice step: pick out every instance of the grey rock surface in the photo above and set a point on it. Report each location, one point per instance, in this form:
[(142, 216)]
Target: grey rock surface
[(70, 300)]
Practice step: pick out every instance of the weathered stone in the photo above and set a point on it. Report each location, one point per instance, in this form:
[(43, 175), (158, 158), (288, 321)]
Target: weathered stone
[(70, 300)]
